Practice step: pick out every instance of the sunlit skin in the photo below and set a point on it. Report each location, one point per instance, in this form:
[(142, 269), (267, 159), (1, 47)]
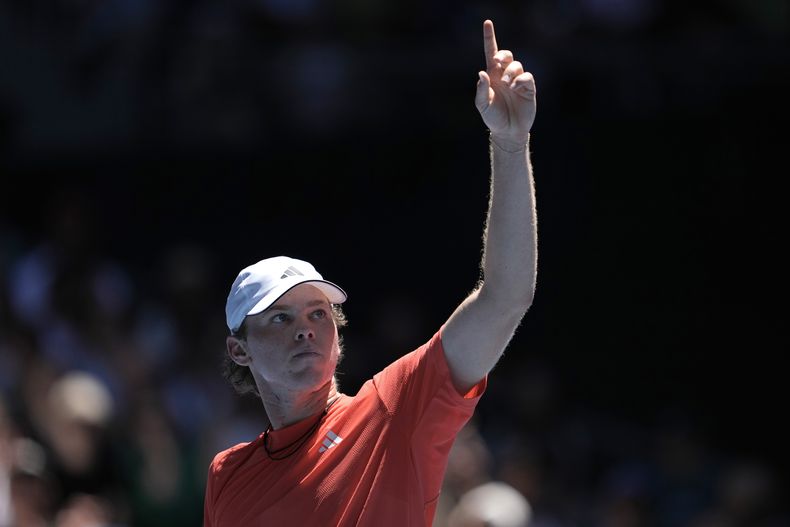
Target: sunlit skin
[(292, 349)]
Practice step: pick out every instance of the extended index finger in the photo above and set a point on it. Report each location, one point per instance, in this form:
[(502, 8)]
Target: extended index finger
[(489, 43)]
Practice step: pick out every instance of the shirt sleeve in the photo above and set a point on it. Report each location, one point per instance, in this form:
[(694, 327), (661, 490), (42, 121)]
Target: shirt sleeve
[(412, 383), (418, 391), (208, 500)]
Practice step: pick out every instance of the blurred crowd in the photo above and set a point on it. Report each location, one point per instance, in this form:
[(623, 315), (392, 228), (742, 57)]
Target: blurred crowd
[(111, 398), (112, 405)]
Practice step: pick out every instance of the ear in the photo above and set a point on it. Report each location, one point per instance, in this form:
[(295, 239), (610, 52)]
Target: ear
[(237, 351)]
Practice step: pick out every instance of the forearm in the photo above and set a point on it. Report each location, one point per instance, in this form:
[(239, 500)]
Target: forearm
[(509, 263), (480, 328)]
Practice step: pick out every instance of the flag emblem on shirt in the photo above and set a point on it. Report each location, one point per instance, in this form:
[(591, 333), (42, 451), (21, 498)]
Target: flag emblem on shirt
[(330, 440)]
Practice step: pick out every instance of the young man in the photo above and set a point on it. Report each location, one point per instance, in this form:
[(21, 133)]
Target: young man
[(376, 458)]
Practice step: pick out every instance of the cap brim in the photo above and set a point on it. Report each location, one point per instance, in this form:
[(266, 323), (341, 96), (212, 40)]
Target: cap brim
[(334, 293)]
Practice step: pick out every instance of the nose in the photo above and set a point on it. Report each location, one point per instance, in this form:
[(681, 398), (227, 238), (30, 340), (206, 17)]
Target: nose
[(304, 334)]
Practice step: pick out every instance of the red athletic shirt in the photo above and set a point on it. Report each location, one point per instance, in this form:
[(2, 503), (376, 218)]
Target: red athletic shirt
[(376, 459)]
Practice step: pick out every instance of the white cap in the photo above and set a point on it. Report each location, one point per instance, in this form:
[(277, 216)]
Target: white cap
[(259, 285)]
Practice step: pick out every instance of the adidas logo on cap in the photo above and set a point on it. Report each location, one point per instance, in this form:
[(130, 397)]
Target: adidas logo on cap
[(291, 271)]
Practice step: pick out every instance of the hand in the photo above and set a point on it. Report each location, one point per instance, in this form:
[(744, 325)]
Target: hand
[(505, 94)]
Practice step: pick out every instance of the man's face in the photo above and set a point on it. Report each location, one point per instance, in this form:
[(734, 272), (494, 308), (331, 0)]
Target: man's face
[(294, 343)]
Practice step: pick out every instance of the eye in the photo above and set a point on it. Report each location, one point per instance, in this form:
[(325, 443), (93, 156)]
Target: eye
[(279, 318), (319, 314)]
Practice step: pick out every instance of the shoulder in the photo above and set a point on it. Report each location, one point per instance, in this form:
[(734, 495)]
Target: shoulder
[(414, 375), (428, 353), (231, 457)]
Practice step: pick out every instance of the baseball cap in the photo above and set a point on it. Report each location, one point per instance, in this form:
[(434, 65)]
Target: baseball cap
[(259, 285)]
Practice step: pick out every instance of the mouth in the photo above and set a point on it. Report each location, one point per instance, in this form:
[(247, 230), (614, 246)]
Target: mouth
[(305, 353)]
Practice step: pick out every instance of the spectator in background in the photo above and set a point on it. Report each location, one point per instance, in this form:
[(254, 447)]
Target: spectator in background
[(330, 459), (491, 504), (28, 495), (6, 461)]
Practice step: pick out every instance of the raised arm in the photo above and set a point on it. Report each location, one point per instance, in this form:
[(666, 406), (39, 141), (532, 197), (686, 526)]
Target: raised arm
[(479, 330)]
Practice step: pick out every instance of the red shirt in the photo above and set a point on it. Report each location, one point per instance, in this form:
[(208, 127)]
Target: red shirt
[(377, 458)]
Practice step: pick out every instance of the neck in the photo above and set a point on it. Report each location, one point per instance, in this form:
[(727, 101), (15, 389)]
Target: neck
[(285, 409)]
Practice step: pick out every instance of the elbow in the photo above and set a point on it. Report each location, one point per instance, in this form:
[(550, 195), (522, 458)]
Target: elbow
[(513, 288), (513, 303), (519, 304)]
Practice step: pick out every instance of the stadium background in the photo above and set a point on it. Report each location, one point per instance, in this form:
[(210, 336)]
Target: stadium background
[(150, 150)]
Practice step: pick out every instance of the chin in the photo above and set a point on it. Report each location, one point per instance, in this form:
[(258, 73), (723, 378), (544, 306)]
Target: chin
[(313, 378)]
